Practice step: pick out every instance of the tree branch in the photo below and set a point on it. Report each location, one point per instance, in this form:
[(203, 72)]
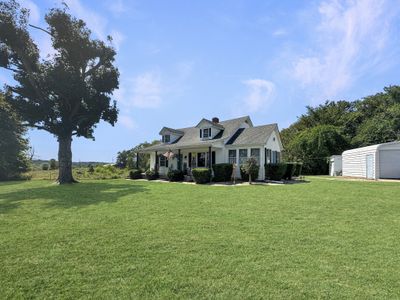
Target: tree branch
[(42, 29), (10, 69)]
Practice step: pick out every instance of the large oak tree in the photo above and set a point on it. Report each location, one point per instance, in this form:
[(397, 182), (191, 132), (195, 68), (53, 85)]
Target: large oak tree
[(67, 93)]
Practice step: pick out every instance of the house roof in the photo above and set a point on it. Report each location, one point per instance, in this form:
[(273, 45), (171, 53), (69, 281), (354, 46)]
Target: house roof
[(167, 129), (231, 130), (257, 135), (216, 125)]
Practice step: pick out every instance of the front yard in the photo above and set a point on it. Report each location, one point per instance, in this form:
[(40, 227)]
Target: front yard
[(137, 239)]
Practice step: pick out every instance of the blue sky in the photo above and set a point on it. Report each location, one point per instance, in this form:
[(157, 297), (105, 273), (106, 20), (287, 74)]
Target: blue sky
[(181, 61)]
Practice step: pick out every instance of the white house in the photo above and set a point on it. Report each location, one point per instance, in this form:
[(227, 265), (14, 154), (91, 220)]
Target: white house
[(212, 142), (373, 162)]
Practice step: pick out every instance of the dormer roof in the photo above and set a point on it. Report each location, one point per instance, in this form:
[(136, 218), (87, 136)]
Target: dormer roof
[(209, 123), (166, 130)]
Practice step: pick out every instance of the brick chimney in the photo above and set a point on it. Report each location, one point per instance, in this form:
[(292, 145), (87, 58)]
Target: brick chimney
[(215, 120)]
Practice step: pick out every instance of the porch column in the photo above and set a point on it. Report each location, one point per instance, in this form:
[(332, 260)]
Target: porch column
[(179, 160), (156, 163), (137, 160), (209, 157)]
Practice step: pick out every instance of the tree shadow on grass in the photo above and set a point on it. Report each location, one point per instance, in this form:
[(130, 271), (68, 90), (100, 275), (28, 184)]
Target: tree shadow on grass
[(68, 196)]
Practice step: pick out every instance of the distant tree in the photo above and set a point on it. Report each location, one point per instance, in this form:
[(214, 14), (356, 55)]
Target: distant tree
[(66, 94), (53, 164), (13, 144), (126, 157), (90, 168), (45, 167), (371, 120), (313, 147)]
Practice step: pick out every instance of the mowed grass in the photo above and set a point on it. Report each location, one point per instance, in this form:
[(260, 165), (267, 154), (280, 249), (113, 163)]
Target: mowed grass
[(137, 239)]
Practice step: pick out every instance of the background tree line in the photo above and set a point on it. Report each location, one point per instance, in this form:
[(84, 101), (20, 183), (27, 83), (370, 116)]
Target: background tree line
[(333, 127), (127, 158)]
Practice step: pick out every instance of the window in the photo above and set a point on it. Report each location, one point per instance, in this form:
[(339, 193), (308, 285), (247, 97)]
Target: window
[(166, 138), (232, 156), (255, 152), (268, 156), (163, 161), (206, 133), (242, 156)]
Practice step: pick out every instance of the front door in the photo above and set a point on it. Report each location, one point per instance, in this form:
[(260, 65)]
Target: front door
[(370, 166)]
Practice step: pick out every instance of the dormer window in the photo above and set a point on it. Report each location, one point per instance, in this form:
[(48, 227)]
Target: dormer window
[(205, 133), (166, 138)]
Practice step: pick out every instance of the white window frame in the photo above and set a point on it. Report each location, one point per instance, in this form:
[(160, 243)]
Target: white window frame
[(232, 159), (208, 131)]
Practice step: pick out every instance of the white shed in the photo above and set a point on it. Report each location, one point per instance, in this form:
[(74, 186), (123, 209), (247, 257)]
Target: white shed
[(373, 162), (335, 165)]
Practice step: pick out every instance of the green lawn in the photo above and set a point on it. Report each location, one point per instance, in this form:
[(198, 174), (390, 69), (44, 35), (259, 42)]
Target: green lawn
[(137, 239)]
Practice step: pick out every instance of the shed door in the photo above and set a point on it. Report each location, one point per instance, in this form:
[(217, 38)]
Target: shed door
[(370, 166), (389, 163)]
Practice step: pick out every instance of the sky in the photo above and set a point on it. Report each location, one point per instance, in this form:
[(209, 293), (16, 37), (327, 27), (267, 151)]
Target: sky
[(181, 61)]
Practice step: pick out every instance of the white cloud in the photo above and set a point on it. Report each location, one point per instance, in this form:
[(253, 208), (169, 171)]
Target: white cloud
[(34, 12), (117, 39), (259, 95), (279, 32), (143, 91), (127, 121), (351, 37), (117, 7)]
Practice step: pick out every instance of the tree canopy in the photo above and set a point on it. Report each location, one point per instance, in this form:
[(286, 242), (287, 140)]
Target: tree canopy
[(332, 127), (13, 144), (127, 158), (67, 93)]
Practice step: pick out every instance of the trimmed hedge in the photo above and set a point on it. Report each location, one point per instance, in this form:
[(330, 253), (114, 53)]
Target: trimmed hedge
[(222, 172), (151, 174), (299, 168), (275, 171), (201, 175), (245, 176), (135, 174), (175, 175), (290, 169)]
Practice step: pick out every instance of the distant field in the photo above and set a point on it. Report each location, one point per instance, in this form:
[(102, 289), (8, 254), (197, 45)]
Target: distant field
[(137, 239), (79, 174)]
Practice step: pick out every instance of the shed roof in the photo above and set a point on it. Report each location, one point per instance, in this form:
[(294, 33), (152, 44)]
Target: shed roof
[(395, 144)]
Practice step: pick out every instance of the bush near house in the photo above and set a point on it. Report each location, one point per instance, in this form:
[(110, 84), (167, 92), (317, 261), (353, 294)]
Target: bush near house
[(151, 174), (290, 170), (275, 171), (250, 167), (45, 167), (135, 174), (201, 175), (299, 168), (222, 172), (175, 175)]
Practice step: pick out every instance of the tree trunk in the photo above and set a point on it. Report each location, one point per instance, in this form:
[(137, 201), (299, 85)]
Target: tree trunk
[(65, 160)]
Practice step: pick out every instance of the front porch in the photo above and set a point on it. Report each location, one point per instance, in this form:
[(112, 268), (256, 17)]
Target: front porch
[(185, 159)]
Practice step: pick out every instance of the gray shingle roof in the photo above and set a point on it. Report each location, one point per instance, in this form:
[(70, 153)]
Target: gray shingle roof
[(191, 138), (257, 135)]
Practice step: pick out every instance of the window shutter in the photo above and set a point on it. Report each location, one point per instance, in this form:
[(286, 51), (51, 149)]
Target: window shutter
[(201, 133)]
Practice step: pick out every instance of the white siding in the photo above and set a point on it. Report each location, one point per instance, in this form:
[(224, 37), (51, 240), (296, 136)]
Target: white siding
[(354, 162)]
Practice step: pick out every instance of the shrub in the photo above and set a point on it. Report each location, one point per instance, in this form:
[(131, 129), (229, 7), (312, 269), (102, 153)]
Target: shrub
[(45, 167), (201, 175), (135, 174), (90, 169), (299, 167), (290, 169), (53, 164), (275, 171), (222, 172), (175, 175), (151, 174), (251, 168)]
